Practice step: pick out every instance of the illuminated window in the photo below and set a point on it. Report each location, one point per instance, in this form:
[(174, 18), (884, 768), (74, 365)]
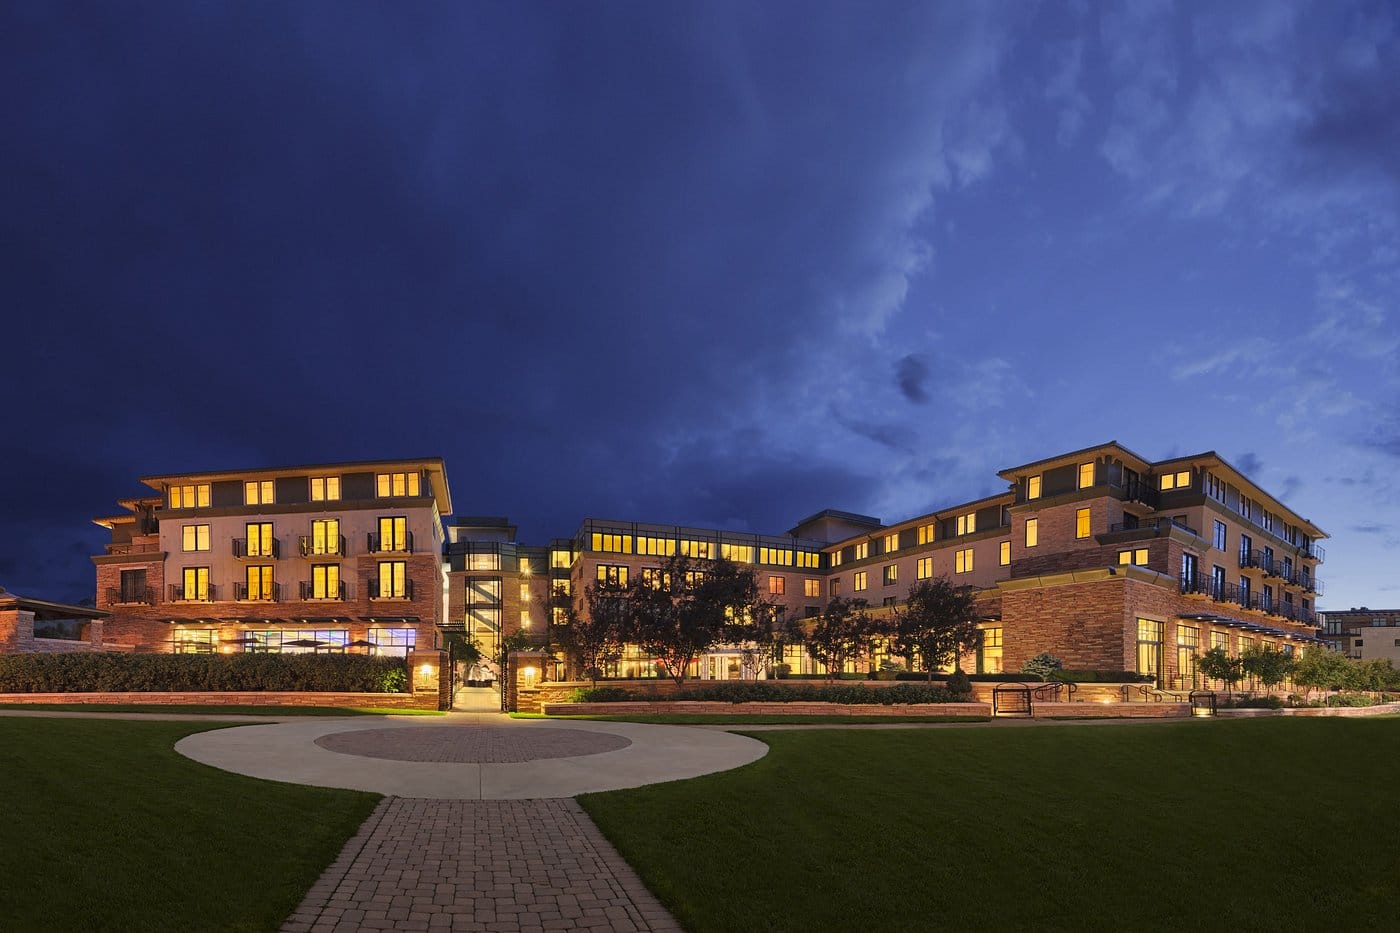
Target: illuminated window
[(967, 524), (1081, 523), (777, 586), (190, 497), (393, 534), (703, 550), (613, 575), (836, 558), (258, 492), (393, 642), (195, 584), (524, 618), (259, 583), (1137, 556), (925, 534), (891, 543), (777, 557), (962, 561), (1181, 480), (809, 559), (652, 578), (1149, 647), (194, 538), (991, 651), (485, 559), (524, 592), (739, 553), (325, 536), (1033, 487), (924, 568), (259, 540), (388, 485), (560, 589), (610, 543), (325, 488), (811, 587), (393, 579), (891, 574), (1086, 475), (1220, 640), (1004, 556), (860, 583), (325, 581), (862, 550), (1032, 532), (561, 560)]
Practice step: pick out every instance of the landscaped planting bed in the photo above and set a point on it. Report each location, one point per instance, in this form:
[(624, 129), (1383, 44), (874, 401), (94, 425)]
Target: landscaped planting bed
[(116, 672)]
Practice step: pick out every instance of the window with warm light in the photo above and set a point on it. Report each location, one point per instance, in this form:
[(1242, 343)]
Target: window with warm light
[(836, 557), (259, 583), (738, 553), (325, 581), (1032, 532), (325, 488), (777, 586), (1033, 485), (258, 536), (561, 559), (612, 575), (701, 550), (991, 651), (1136, 556), (1178, 480), (890, 574), (524, 618), (962, 561), (258, 492), (195, 496), (859, 584), (811, 587), (195, 586), (1004, 554), (891, 543), (393, 533), (325, 536), (810, 560), (610, 543), (393, 579), (775, 557), (862, 550), (1081, 523), (926, 534), (194, 538), (394, 485), (967, 524), (924, 568), (1086, 475), (524, 592)]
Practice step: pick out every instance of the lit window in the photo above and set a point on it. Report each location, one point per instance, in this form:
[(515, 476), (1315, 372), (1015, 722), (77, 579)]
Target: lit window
[(925, 534), (1180, 480), (891, 543), (1086, 475), (388, 485), (739, 553), (190, 497), (1138, 556), (1033, 487), (612, 543), (393, 534), (196, 584), (325, 488), (924, 569), (258, 492), (524, 618), (524, 592), (962, 561), (836, 558), (991, 651), (811, 587), (561, 560), (325, 536), (393, 580), (612, 575), (325, 581), (702, 550), (1032, 532), (1081, 523), (777, 586), (259, 583), (862, 550), (967, 524), (258, 541), (1005, 556), (860, 582), (194, 538), (809, 559), (776, 557)]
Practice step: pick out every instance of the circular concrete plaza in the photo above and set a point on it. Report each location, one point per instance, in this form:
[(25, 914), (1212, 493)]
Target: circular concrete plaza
[(470, 756), (472, 744)]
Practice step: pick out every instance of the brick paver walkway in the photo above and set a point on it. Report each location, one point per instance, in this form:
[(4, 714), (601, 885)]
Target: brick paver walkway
[(504, 866), (471, 743)]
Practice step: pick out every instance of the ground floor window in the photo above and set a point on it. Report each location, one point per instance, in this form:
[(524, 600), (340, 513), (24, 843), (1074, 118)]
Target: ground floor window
[(989, 655), (392, 642), (195, 641), (1188, 641), (297, 641), (1149, 647)]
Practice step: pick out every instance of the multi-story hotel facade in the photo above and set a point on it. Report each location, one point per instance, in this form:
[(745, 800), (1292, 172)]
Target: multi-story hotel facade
[(1099, 556)]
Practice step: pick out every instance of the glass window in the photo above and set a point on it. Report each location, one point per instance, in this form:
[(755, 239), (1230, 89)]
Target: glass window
[(1086, 475), (777, 586), (194, 496), (739, 553), (1004, 554), (392, 642), (1033, 487), (195, 586), (924, 568), (891, 543), (835, 586), (967, 524), (1032, 532), (612, 575), (925, 534), (194, 538), (259, 583), (388, 485), (1149, 647), (393, 533), (1179, 480), (775, 557), (891, 574), (563, 560), (962, 561), (610, 543), (1136, 556), (259, 539), (836, 557), (1219, 541), (325, 536), (991, 660), (809, 559), (811, 587), (1081, 523), (258, 492), (860, 581), (325, 488), (703, 550), (393, 579), (325, 581), (862, 550)]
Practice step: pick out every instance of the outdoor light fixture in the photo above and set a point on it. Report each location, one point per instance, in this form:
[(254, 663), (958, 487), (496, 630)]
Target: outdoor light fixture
[(529, 673), (426, 670)]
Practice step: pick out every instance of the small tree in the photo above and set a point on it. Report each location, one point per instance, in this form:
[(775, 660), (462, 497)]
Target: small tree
[(594, 640), (936, 624), (1043, 665), (1267, 664), (843, 632), (1321, 668), (680, 611), (1216, 664), (757, 632)]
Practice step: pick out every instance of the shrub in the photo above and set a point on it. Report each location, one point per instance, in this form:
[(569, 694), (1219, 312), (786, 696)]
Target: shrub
[(959, 684), (1100, 677), (1350, 699), (604, 695), (1043, 664), (114, 672), (1268, 701), (758, 691), (781, 670)]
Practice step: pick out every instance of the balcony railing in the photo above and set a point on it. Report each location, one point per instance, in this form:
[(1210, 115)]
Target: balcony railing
[(1154, 524), (388, 545), (268, 593), (1315, 551), (259, 549), (308, 591), (388, 593), (131, 596), (1223, 592), (333, 546), (177, 594), (144, 548), (1136, 490)]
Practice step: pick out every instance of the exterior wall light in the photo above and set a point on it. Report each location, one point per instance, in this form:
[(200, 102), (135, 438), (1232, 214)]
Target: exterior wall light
[(530, 674)]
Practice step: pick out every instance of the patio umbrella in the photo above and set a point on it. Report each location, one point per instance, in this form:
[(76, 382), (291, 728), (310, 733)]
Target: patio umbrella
[(363, 643), (305, 643)]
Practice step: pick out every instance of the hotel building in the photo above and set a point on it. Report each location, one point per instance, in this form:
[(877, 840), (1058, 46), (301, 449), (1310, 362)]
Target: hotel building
[(1099, 556)]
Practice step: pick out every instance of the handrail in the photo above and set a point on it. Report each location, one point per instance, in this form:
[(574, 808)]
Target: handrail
[(333, 546)]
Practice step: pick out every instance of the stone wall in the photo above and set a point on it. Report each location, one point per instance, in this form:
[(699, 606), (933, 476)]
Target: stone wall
[(249, 698), (710, 707)]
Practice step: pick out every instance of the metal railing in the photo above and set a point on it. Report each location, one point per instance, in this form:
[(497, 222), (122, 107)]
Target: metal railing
[(1203, 703), (177, 594), (258, 550), (267, 593), (1011, 700), (131, 596), (333, 546), (145, 548), (406, 593), (1154, 524), (308, 591), (1136, 490), (377, 544)]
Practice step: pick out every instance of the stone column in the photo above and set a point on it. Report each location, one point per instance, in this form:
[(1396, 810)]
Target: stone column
[(523, 689), (428, 676)]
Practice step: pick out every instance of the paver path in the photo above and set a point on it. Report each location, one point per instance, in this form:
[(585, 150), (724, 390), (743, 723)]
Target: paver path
[(505, 866)]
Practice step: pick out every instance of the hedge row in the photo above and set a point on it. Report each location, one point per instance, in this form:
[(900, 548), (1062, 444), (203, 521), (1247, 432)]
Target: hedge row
[(113, 672), (757, 691), (1101, 677)]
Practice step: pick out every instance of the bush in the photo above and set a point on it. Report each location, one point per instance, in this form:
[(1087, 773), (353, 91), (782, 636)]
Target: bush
[(1350, 699), (1043, 664), (959, 684), (605, 695), (758, 691), (1100, 677), (1268, 701), (975, 678), (114, 672)]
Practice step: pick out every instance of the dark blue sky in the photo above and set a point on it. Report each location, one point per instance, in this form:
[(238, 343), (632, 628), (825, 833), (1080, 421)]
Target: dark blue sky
[(722, 264)]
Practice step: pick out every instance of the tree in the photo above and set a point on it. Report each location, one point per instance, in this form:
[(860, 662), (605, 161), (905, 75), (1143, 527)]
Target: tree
[(1321, 668), (594, 640), (1216, 664), (757, 632), (678, 612), (937, 623), (1267, 664), (1043, 665), (843, 632)]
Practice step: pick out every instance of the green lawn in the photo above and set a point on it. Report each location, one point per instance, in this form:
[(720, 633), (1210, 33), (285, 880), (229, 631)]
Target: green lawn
[(205, 709), (1184, 826), (105, 827), (719, 719)]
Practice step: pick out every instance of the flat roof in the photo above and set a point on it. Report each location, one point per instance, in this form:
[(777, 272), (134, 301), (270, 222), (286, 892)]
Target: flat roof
[(444, 500)]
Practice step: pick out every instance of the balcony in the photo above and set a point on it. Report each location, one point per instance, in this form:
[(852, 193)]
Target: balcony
[(327, 547), (270, 593), (308, 592), (377, 544), (1201, 584), (1271, 564), (258, 551), (406, 593), (1135, 490), (1156, 525), (131, 596), (178, 595), (1314, 551), (143, 548)]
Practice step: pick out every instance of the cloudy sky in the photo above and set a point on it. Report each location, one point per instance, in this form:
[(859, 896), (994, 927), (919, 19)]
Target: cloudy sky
[(721, 264)]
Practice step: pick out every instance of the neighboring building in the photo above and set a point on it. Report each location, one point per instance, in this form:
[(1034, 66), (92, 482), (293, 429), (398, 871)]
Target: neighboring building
[(1100, 556), (320, 557), (37, 625), (1363, 633)]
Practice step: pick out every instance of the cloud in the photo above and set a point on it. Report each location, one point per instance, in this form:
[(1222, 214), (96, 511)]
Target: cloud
[(911, 374), (1249, 464)]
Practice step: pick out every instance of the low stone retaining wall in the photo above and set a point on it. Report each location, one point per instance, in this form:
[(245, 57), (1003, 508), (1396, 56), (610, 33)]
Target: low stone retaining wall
[(1101, 710), (715, 707), (422, 700), (1380, 709)]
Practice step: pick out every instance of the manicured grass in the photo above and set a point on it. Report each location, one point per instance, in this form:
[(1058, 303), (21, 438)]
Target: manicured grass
[(105, 827), (195, 709), (718, 719), (1245, 825)]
